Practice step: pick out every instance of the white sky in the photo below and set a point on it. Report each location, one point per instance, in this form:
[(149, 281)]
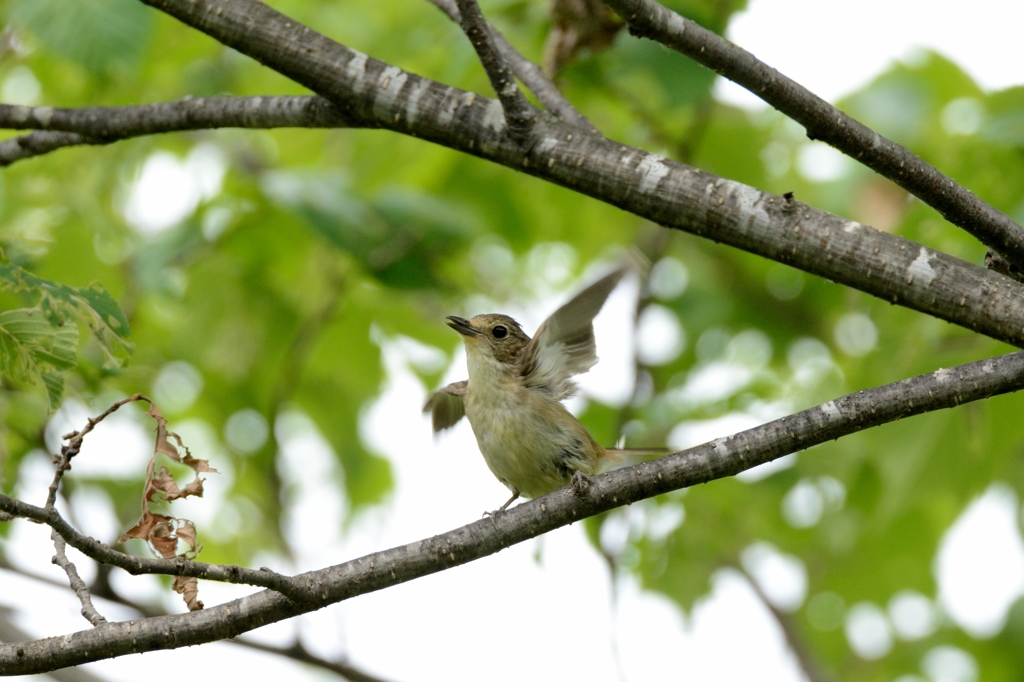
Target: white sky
[(833, 48), (542, 610)]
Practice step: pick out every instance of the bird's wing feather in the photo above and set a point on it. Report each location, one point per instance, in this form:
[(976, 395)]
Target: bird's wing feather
[(446, 405), (564, 345)]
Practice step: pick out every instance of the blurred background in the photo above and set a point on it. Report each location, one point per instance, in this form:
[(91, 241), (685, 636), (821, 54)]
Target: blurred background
[(286, 293)]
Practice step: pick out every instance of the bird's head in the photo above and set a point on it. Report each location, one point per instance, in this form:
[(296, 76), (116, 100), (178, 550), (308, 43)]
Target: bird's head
[(491, 337)]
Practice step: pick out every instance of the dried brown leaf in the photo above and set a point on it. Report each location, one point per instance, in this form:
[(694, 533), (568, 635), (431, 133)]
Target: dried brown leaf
[(193, 489), (198, 465), (189, 589), (162, 444), (161, 532), (186, 532), (164, 483), (163, 539), (144, 527)]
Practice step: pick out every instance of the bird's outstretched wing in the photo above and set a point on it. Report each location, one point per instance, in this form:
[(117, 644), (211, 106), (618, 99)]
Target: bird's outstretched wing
[(446, 405), (564, 345)]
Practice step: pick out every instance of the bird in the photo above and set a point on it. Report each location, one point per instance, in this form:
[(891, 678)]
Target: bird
[(513, 397)]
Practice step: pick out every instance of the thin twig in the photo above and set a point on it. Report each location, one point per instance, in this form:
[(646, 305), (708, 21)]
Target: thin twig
[(519, 113), (62, 460), (62, 463), (824, 122), (793, 639), (98, 551), (60, 558), (298, 652), (546, 92), (56, 128)]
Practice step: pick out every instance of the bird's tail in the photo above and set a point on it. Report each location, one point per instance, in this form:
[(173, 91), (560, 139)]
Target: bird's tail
[(616, 458)]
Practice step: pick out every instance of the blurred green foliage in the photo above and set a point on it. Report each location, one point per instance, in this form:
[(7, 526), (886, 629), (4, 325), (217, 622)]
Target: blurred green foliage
[(275, 292)]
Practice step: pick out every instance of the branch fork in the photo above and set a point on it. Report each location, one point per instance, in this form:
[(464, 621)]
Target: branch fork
[(520, 115)]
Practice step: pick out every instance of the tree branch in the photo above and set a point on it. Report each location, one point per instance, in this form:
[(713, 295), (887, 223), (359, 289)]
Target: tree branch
[(519, 113), (371, 93), (9, 632), (649, 19), (717, 459), (38, 144), (796, 643), (101, 588), (529, 73), (60, 558), (57, 128), (98, 551), (298, 652)]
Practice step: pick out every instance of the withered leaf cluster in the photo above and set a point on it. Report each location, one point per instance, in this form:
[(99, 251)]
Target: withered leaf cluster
[(164, 533)]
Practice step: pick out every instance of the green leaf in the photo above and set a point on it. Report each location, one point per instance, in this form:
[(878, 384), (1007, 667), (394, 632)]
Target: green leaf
[(98, 34), (54, 382), (31, 344), (93, 303), (43, 340)]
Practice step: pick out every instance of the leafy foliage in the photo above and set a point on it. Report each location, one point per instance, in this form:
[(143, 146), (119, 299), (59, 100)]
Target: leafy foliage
[(42, 341)]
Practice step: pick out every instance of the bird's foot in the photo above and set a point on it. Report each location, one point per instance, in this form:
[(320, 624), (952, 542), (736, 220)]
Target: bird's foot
[(492, 514), (580, 482)]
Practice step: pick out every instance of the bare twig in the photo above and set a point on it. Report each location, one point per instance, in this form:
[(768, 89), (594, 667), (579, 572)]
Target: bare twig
[(58, 128), (717, 459), (39, 143), (298, 652), (519, 113), (60, 558), (793, 639), (98, 551), (546, 92), (824, 122), (62, 461)]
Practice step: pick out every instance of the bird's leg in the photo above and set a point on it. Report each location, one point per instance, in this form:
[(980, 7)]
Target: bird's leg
[(580, 482), (515, 496)]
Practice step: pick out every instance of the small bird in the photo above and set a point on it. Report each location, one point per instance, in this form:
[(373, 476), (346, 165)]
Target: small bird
[(512, 398)]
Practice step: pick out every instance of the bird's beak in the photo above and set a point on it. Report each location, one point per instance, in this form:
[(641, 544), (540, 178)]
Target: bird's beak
[(461, 325)]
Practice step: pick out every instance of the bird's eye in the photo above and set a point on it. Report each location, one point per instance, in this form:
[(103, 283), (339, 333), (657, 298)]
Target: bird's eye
[(499, 332)]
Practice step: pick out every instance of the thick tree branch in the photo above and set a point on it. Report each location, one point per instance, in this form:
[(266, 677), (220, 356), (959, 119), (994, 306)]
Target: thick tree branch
[(824, 122), (9, 632), (529, 73), (519, 113), (371, 93), (57, 128), (717, 459), (102, 589)]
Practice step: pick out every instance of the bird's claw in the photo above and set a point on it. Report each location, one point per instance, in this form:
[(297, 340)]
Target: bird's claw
[(580, 482)]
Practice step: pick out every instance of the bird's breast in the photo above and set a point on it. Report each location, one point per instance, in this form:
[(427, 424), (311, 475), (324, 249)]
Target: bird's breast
[(529, 441)]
